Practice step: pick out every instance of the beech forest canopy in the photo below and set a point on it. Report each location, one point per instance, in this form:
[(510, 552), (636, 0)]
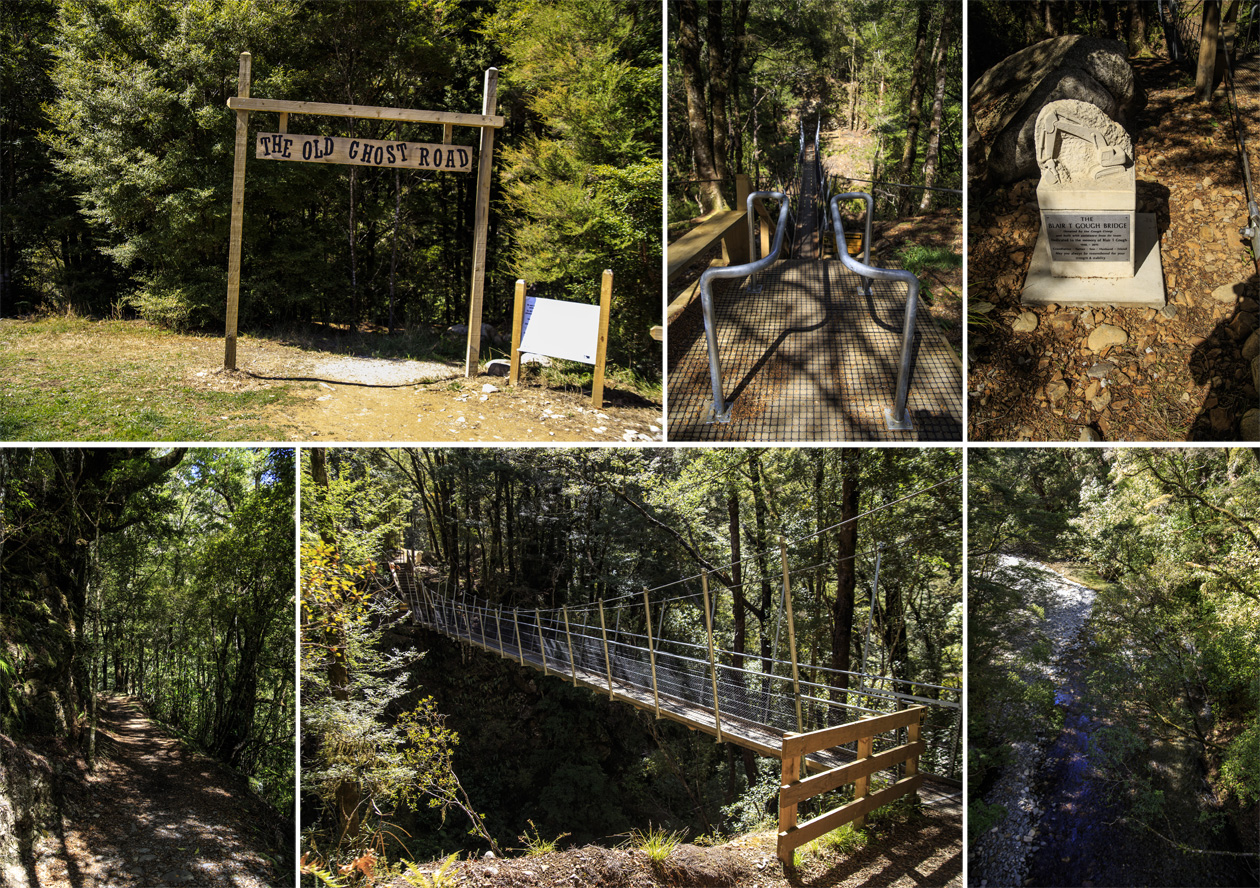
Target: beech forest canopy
[(118, 149), (745, 76), (167, 575), (998, 29), (1170, 541), (552, 527)]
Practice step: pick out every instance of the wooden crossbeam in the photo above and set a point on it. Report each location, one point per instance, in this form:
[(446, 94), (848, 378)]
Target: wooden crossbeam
[(366, 112)]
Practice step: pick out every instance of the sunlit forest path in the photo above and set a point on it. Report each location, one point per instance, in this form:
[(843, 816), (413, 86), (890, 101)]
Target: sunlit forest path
[(154, 813)]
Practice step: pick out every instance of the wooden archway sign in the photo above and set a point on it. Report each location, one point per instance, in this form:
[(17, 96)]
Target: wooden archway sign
[(365, 152)]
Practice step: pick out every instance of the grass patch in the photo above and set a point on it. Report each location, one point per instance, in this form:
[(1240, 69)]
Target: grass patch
[(536, 845), (578, 377), (839, 842), (70, 379), (917, 259), (657, 843)]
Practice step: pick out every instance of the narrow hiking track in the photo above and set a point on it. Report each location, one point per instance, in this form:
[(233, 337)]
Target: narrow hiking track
[(154, 814)]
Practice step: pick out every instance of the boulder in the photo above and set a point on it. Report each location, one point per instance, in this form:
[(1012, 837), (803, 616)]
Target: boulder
[(1006, 99)]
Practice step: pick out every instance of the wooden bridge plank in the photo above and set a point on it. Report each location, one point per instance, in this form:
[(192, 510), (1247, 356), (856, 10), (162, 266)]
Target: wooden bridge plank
[(825, 823), (798, 792), (700, 239), (826, 738)]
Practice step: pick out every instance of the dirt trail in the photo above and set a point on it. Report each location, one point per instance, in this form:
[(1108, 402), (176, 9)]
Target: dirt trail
[(154, 815)]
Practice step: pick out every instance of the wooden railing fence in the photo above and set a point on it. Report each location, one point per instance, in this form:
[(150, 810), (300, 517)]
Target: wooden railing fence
[(793, 790)]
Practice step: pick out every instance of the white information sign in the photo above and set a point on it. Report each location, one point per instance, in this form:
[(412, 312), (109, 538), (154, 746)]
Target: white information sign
[(566, 330)]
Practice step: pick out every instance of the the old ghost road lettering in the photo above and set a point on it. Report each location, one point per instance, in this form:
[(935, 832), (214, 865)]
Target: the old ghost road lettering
[(365, 152)]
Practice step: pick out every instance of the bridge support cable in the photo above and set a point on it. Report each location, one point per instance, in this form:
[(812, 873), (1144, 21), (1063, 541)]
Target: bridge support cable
[(898, 417), (752, 707)]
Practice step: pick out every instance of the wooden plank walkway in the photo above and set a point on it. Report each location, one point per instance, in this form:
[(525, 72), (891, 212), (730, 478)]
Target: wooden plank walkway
[(762, 739)]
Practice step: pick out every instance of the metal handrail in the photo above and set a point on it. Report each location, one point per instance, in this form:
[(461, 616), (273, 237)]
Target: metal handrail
[(722, 410), (898, 418)]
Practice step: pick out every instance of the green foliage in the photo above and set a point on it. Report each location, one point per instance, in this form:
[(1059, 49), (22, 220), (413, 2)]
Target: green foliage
[(915, 258), (536, 845), (1240, 769), (843, 841), (583, 186), (656, 842), (982, 817), (438, 879)]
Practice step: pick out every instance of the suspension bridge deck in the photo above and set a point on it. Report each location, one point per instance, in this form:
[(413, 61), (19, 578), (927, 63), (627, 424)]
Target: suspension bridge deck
[(810, 358), (484, 631)]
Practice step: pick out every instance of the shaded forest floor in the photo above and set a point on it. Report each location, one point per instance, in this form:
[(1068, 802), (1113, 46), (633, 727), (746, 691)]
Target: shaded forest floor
[(154, 813), (73, 379), (916, 849), (1180, 373)]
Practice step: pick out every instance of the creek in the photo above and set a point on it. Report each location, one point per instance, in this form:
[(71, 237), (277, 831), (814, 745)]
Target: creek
[(1083, 836)]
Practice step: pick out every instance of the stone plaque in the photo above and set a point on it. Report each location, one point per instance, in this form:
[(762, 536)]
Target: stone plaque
[(1089, 237)]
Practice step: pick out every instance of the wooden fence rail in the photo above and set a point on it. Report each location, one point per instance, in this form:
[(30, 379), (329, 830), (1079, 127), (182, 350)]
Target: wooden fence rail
[(793, 790)]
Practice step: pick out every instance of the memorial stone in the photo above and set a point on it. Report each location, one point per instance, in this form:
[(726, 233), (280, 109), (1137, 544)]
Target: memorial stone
[(1094, 247)]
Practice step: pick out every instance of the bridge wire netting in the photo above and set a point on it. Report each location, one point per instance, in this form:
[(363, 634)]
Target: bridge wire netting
[(756, 702)]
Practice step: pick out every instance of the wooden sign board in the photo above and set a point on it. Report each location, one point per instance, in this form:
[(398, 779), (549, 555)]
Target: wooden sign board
[(566, 330), (364, 152), (572, 331)]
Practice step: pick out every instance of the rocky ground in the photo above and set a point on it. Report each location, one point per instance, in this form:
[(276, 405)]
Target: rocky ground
[(921, 850), (153, 813), (1062, 373)]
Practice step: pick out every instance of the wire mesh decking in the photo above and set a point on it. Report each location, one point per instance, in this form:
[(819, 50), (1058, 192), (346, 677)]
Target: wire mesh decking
[(753, 707), (811, 358)]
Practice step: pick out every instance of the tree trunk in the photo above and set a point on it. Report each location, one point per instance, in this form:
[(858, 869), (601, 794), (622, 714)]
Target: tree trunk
[(719, 87), (739, 41), (913, 106), (393, 259), (846, 566), (701, 138), (939, 58), (1207, 76)]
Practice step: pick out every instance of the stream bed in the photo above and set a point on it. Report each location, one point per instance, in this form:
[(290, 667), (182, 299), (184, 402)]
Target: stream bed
[(1065, 825)]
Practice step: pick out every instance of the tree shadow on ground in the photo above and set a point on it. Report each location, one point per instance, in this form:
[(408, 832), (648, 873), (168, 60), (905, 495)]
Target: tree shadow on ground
[(1218, 363)]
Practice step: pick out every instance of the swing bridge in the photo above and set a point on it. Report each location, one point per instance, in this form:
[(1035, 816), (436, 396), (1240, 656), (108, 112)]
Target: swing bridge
[(844, 726), (798, 345)]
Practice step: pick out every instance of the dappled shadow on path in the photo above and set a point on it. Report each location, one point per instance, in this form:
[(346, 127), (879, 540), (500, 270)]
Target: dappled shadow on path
[(154, 813)]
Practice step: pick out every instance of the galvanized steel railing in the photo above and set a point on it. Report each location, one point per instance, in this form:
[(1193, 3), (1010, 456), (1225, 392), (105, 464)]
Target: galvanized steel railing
[(721, 411), (896, 418)]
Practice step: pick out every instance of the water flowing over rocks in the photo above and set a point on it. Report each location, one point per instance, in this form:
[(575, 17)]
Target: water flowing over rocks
[(1001, 856)]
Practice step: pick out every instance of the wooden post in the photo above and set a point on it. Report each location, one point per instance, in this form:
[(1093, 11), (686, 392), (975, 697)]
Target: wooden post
[(569, 638), (498, 630), (913, 733), (862, 786), (787, 812), (708, 627), (647, 613), (542, 648), (787, 597), (238, 218), (520, 648), (736, 244), (601, 347), (603, 631), (518, 317), (284, 122), (481, 225)]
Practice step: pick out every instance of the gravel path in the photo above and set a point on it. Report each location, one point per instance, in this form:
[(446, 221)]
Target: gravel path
[(155, 815)]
